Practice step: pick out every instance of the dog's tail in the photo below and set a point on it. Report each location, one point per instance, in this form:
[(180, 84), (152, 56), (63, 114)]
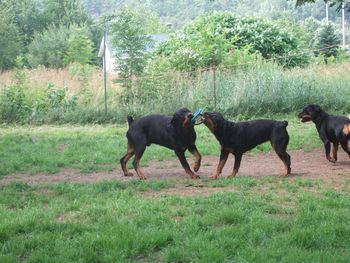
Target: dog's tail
[(130, 120), (346, 129)]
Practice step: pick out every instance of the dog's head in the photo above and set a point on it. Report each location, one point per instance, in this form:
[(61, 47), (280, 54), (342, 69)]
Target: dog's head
[(310, 112), (212, 120), (182, 118)]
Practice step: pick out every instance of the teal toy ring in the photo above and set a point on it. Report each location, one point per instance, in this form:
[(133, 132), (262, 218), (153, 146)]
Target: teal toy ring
[(196, 115)]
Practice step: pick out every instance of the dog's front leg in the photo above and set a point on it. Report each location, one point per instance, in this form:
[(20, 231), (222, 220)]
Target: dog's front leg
[(181, 155), (197, 155), (327, 148), (238, 158), (223, 159)]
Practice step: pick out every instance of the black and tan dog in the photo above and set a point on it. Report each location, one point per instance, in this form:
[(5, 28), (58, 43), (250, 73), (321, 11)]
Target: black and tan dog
[(176, 133), (237, 138), (331, 129)]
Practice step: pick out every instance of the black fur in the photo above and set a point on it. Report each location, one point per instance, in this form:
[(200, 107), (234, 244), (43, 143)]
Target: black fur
[(331, 129), (176, 133), (237, 138)]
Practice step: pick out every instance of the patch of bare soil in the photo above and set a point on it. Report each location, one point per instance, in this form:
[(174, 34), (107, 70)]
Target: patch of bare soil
[(312, 165), (185, 191)]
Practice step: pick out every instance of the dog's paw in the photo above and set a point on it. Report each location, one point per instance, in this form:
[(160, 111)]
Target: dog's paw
[(214, 176), (196, 167), (195, 176), (129, 174), (332, 160)]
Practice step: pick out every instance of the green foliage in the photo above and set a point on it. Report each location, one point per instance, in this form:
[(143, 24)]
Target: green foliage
[(65, 12), (48, 48), (59, 46), (131, 42), (80, 48), (10, 41), (54, 103), (327, 41), (83, 72), (14, 105), (211, 37), (338, 3), (27, 16)]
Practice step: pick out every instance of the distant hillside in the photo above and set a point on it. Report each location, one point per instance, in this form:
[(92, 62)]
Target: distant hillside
[(179, 12)]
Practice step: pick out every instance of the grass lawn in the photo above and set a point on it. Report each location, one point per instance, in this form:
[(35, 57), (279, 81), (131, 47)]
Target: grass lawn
[(33, 149), (246, 220)]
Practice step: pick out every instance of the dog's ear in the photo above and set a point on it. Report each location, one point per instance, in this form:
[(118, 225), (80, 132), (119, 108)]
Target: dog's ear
[(317, 108), (176, 120)]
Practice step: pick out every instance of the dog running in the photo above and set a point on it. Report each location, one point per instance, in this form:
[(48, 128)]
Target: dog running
[(331, 129), (176, 133), (237, 138)]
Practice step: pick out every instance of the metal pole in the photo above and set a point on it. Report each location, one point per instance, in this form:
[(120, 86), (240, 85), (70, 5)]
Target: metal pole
[(327, 12), (105, 69), (343, 22), (214, 82)]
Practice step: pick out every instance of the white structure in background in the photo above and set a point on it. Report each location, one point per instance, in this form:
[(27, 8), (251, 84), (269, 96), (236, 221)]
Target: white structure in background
[(110, 51)]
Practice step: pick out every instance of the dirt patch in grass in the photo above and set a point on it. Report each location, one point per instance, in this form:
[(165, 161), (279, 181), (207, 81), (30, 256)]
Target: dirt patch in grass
[(185, 191), (305, 165)]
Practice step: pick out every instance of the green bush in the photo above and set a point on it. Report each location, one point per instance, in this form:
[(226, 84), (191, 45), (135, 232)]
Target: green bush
[(14, 105), (212, 37)]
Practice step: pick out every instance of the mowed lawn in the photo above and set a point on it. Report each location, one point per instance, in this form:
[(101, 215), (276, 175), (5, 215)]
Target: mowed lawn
[(243, 219)]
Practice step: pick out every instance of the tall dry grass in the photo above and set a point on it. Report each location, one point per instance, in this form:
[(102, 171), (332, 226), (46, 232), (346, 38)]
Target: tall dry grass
[(258, 90), (62, 77)]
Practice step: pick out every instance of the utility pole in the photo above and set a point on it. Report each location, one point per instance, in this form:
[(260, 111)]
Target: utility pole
[(343, 22), (327, 12)]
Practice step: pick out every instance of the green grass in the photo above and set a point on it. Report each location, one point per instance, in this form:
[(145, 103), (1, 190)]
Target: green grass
[(263, 220), (49, 149)]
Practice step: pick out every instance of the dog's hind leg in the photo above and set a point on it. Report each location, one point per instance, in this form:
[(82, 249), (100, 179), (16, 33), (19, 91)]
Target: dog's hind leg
[(222, 162), (279, 142), (125, 159), (281, 151), (139, 150), (181, 155), (344, 145), (197, 155), (285, 157), (335, 151)]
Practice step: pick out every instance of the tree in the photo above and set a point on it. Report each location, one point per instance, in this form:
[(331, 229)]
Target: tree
[(327, 41), (221, 32), (80, 48), (65, 12), (10, 42), (48, 48), (131, 42), (338, 3), (26, 15)]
